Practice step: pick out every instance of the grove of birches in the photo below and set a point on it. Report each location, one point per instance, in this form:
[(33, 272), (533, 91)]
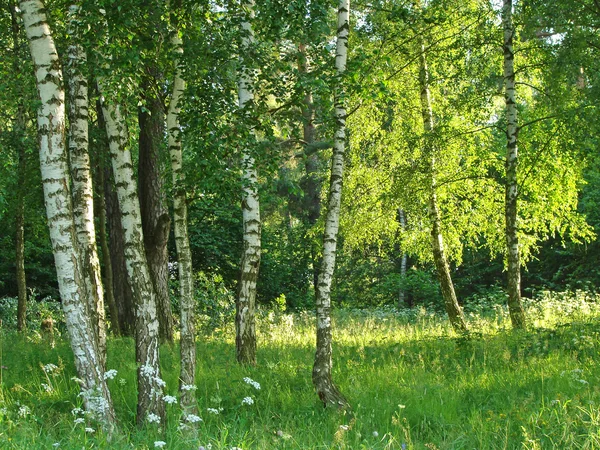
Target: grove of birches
[(300, 224)]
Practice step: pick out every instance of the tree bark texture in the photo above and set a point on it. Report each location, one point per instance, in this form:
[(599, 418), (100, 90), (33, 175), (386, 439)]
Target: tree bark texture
[(246, 293), (187, 376), (83, 193), (453, 309), (19, 133), (59, 209), (150, 385), (153, 203), (515, 306), (121, 287), (322, 368)]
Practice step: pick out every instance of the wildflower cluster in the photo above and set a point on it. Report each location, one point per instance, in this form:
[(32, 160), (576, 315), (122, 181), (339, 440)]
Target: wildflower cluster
[(251, 382)]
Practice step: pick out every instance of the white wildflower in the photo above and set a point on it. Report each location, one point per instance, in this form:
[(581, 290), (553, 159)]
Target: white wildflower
[(89, 430), (344, 427), (247, 401), (102, 11), (192, 418), (375, 434), (50, 368), (79, 420), (56, 445), (401, 406), (188, 387), (110, 374), (170, 399), (583, 382), (251, 382), (153, 418), (159, 444), (76, 411), (47, 387), (160, 382), (3, 411), (24, 411), (213, 410)]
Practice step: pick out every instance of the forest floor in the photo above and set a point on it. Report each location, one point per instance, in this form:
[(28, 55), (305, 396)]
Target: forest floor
[(412, 384)]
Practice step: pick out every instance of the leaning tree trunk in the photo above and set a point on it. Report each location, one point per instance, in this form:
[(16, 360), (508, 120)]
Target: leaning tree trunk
[(187, 375), (153, 204), (19, 133), (83, 193), (59, 209), (150, 385), (453, 309), (245, 332), (517, 314), (322, 369)]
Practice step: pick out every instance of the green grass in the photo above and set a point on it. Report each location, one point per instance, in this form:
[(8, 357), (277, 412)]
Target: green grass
[(409, 379)]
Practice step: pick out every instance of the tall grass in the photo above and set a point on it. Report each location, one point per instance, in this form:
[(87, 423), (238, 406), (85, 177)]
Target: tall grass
[(412, 384)]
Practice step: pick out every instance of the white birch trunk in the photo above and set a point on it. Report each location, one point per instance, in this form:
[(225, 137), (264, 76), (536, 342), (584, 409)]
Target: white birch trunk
[(83, 193), (187, 376), (517, 314), (246, 295), (403, 262), (150, 385), (322, 369), (57, 197), (453, 309)]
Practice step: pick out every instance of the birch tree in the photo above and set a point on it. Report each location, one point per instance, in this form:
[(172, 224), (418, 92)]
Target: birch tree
[(517, 314), (437, 240), (83, 193), (187, 376), (244, 318), (322, 368), (59, 209)]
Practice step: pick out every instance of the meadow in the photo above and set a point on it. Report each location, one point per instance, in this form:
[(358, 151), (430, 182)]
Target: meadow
[(412, 384)]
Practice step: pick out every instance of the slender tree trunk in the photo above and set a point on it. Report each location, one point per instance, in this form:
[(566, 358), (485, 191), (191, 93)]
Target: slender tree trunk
[(187, 376), (403, 262), (83, 193), (453, 309), (150, 385), (312, 181), (517, 314), (59, 209), (106, 255), (322, 369), (19, 132), (246, 295), (121, 288), (153, 204)]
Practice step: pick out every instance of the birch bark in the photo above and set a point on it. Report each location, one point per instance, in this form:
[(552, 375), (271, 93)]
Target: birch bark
[(322, 368), (59, 209), (150, 385), (83, 193), (244, 318), (403, 262), (515, 306), (453, 309), (187, 376)]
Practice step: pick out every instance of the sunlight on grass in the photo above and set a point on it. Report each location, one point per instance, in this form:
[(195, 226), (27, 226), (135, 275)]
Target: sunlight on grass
[(411, 381)]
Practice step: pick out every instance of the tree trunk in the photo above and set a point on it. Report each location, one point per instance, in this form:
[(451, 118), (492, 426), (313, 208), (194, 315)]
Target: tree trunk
[(517, 314), (150, 385), (322, 369), (403, 262), (83, 193), (453, 309), (245, 337), (121, 288), (19, 132), (312, 181), (100, 206), (155, 216), (59, 209), (187, 376)]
